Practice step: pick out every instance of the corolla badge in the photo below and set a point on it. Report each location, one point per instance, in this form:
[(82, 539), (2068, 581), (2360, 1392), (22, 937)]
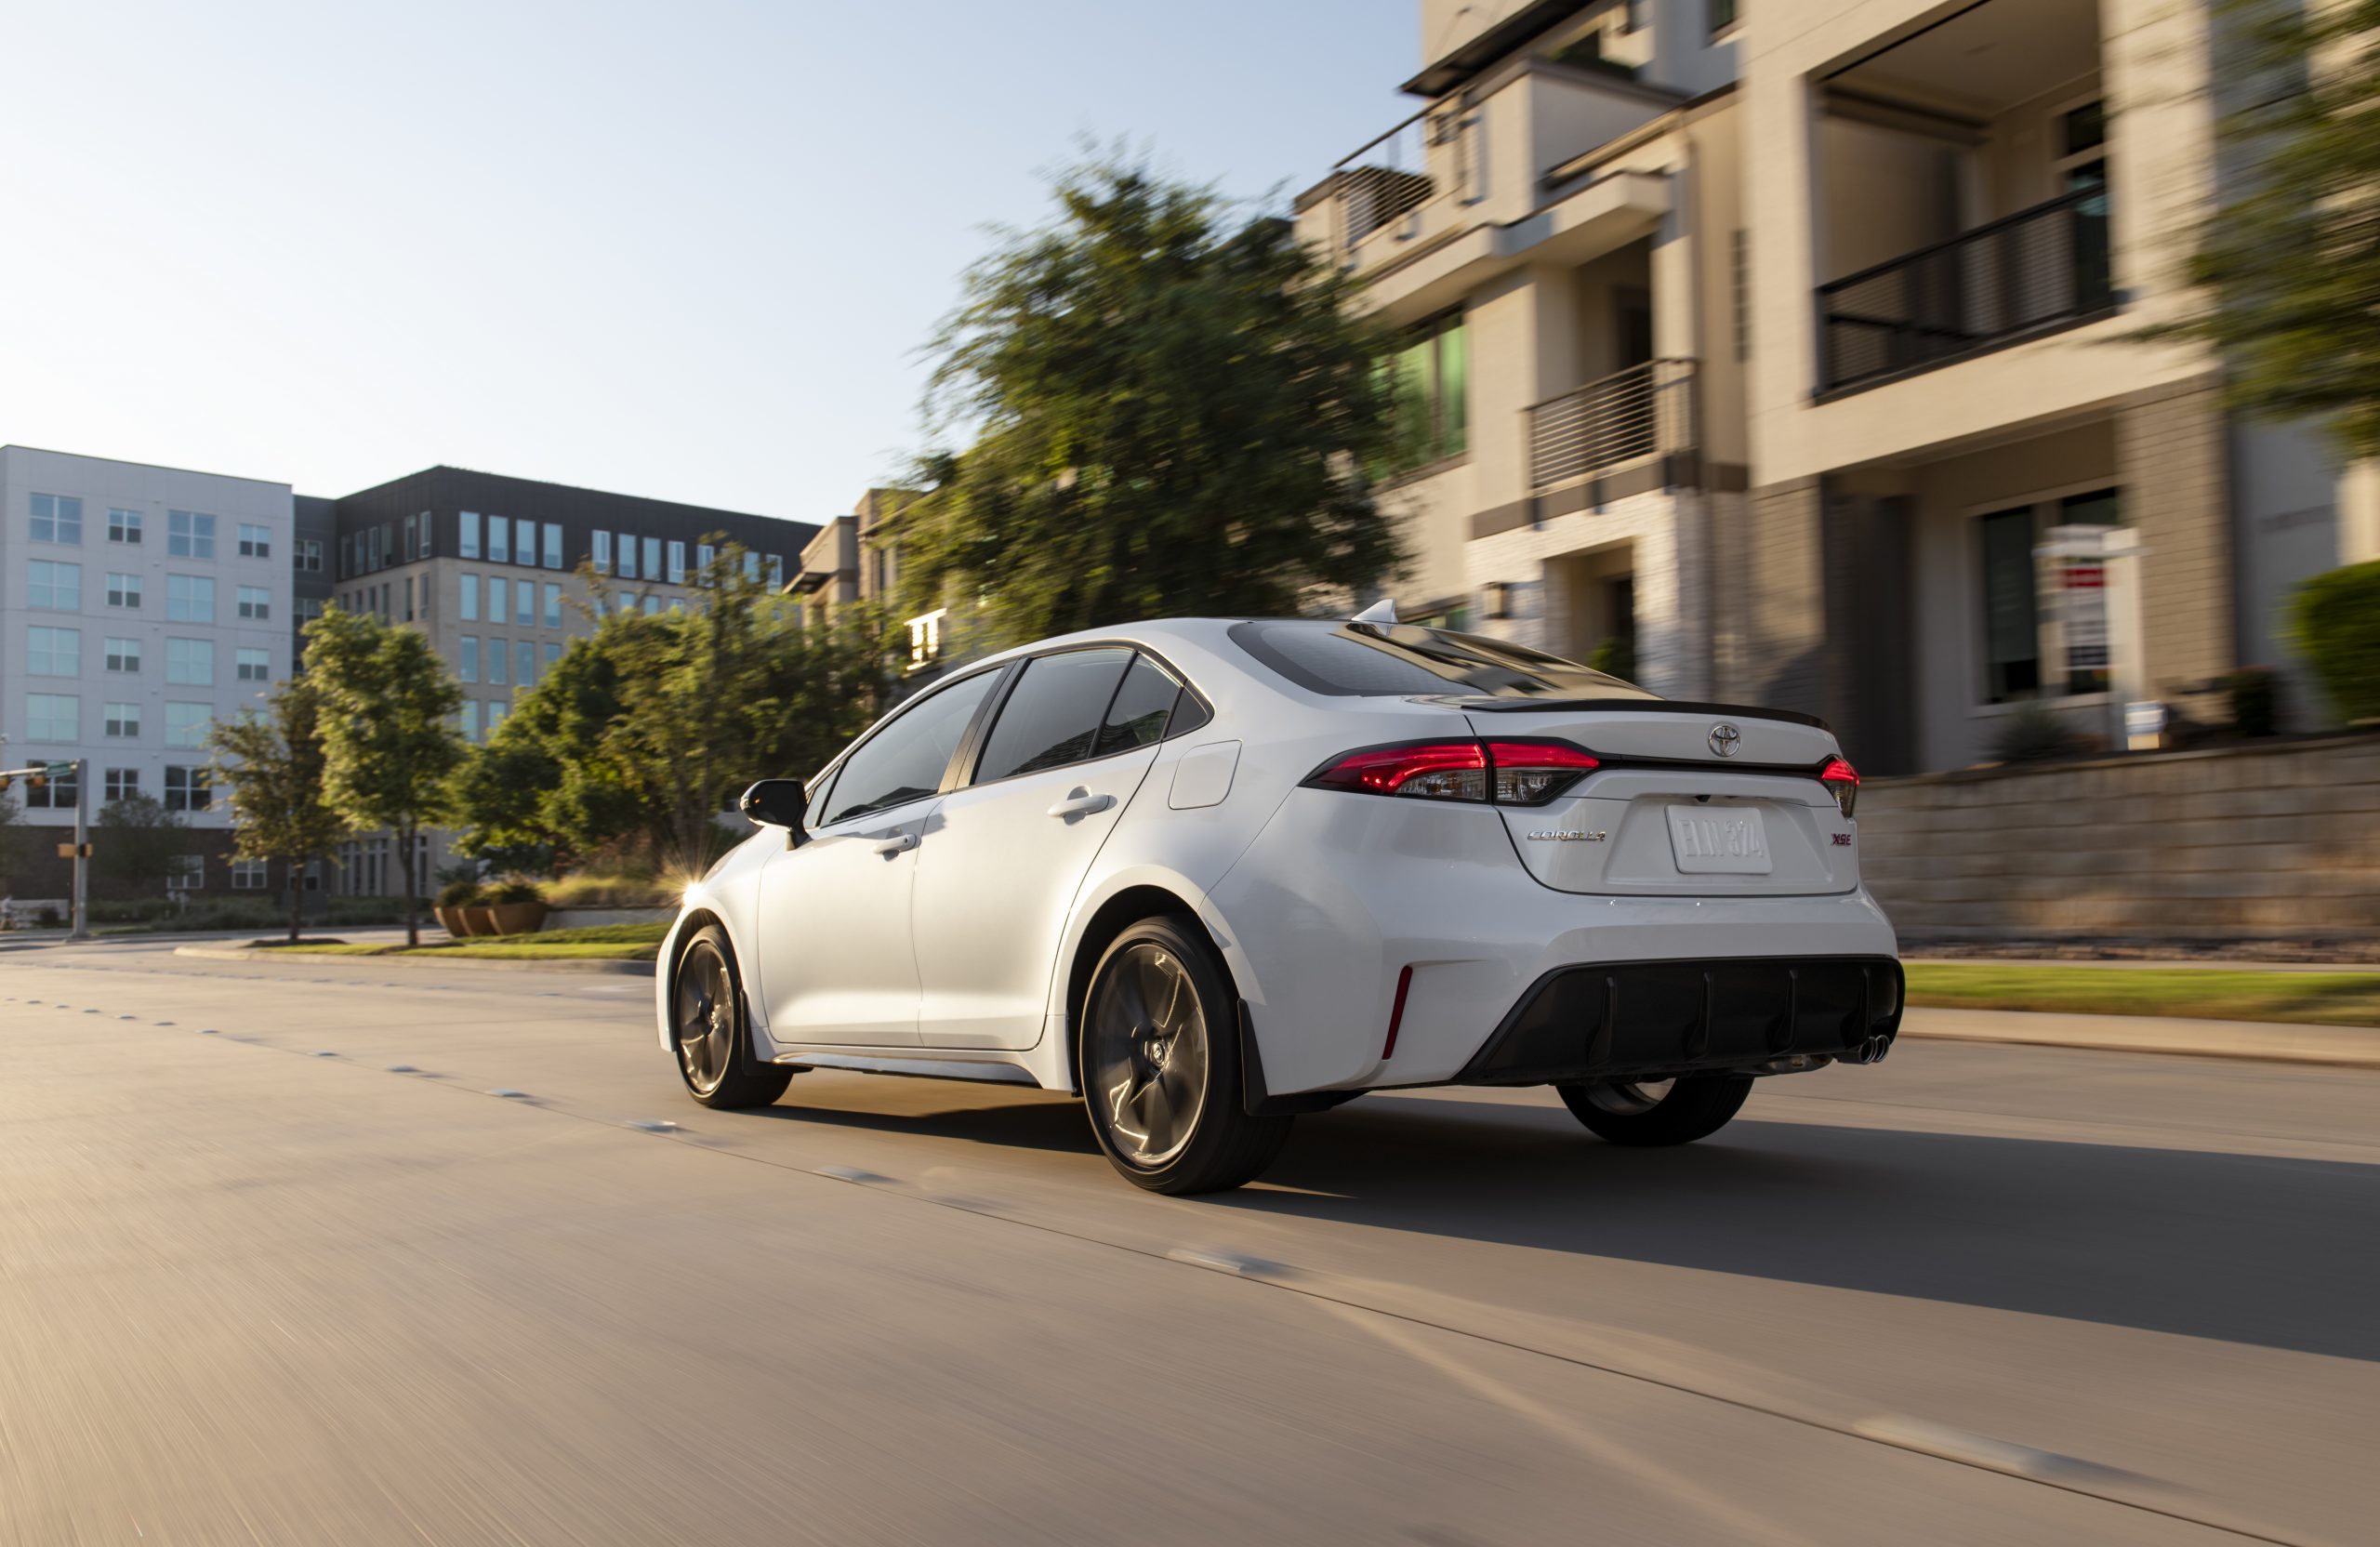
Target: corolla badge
[(1564, 835), (1726, 738)]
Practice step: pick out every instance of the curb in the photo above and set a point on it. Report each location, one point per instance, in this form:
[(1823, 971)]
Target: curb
[(2345, 1047), (597, 965)]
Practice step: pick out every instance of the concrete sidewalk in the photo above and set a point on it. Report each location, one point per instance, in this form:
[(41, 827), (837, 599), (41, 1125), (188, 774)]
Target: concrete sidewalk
[(2348, 1047)]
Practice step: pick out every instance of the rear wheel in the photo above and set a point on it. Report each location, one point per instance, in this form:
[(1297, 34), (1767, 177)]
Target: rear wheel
[(712, 1035), (1650, 1113), (1160, 1065)]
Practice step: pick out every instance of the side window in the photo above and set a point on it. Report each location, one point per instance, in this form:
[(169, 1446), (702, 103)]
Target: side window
[(1143, 707), (1053, 716), (905, 758)]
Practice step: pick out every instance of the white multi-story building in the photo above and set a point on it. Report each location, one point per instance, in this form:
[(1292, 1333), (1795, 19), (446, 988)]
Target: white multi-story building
[(1761, 344), (137, 605)]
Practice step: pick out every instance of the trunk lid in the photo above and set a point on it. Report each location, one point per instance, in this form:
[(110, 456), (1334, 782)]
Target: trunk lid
[(1668, 814)]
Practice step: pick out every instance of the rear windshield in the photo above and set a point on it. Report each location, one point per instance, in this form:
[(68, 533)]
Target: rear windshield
[(1364, 660)]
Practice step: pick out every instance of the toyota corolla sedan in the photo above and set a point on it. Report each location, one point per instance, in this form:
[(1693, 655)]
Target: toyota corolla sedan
[(1209, 874)]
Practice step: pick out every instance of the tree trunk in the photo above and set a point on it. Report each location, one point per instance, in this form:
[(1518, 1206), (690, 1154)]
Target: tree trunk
[(297, 900), (413, 903)]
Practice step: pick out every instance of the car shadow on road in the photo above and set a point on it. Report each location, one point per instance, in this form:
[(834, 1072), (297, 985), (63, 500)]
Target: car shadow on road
[(2247, 1249), (1029, 1119)]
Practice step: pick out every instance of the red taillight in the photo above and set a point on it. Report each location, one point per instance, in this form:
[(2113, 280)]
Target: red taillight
[(1844, 780), (1510, 773)]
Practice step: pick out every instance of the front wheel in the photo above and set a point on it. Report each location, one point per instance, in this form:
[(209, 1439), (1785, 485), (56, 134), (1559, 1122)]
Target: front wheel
[(1160, 1065), (712, 1035), (1652, 1112)]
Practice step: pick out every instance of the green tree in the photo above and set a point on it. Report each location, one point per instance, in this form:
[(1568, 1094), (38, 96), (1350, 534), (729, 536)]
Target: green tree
[(136, 841), (1170, 412), (389, 741), (2291, 265), (647, 730), (274, 764)]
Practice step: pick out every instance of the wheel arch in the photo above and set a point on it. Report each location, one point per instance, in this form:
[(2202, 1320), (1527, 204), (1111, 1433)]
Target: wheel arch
[(1143, 897)]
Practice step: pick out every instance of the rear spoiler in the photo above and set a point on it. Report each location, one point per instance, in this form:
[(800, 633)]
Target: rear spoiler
[(1487, 704)]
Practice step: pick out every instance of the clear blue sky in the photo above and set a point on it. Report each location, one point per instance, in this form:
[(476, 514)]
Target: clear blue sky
[(686, 250)]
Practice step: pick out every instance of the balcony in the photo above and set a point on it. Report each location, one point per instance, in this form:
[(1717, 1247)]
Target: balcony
[(1631, 431), (2026, 274), (1395, 190)]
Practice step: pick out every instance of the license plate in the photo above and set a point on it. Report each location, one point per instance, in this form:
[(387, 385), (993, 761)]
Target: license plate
[(1719, 840)]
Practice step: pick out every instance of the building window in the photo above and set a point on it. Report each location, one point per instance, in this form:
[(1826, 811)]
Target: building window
[(925, 638), (190, 598), (56, 587), (185, 872), (704, 553), (306, 555), (752, 566), (408, 599), (190, 663), (470, 718), (255, 602), (255, 542), (525, 543), (189, 534), (2030, 648), (186, 725), (124, 590), (54, 652), (187, 789), (652, 606), (58, 518), (524, 662), (554, 654), (253, 666), (2012, 655), (248, 875), (124, 654), (1430, 380), (553, 605), (553, 545), (466, 597), (62, 793), (496, 659), (467, 659), (776, 571), (499, 599), (627, 556), (53, 717), (124, 526), (495, 716), (602, 553), (1722, 15), (467, 542), (499, 540), (677, 564), (123, 721), (652, 558), (524, 603), (120, 784)]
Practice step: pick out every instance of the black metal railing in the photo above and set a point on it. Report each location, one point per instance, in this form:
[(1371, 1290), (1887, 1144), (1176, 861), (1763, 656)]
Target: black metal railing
[(2033, 272), (1644, 411)]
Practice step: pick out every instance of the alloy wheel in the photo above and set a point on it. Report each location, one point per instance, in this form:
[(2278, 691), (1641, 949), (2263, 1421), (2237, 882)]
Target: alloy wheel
[(1147, 1055), (704, 1018)]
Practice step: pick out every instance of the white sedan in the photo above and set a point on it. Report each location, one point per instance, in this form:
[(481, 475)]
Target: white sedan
[(1213, 873)]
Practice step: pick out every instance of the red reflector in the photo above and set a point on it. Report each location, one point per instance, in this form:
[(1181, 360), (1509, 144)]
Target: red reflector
[(1543, 754), (1396, 1013), (1387, 769)]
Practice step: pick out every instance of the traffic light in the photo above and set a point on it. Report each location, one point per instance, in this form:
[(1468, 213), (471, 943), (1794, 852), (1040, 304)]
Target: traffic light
[(37, 779)]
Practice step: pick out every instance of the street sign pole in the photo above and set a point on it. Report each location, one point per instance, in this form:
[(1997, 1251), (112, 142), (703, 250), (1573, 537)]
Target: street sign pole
[(81, 929)]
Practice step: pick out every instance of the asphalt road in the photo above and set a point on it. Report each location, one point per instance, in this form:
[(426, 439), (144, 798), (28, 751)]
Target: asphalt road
[(259, 1286)]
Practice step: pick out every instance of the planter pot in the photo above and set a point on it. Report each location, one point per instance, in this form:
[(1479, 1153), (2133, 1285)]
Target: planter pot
[(477, 919), (515, 918), (450, 919)]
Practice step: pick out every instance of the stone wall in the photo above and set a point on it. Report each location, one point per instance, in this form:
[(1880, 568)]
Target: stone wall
[(2279, 839)]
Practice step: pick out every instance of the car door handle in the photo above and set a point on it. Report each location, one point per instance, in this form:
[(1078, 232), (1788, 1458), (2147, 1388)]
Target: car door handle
[(899, 843), (1082, 803)]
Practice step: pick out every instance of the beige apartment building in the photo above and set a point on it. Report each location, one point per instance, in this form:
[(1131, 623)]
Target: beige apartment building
[(1763, 344)]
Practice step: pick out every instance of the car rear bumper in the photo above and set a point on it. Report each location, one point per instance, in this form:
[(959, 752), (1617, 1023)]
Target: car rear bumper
[(1651, 1020)]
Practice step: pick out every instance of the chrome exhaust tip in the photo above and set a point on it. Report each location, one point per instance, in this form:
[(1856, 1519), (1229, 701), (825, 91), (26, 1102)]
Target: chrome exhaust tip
[(1870, 1050)]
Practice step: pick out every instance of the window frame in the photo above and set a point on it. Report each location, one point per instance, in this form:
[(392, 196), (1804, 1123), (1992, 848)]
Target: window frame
[(981, 733), (1976, 671)]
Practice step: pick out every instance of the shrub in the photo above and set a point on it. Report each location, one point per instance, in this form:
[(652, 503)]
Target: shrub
[(365, 910), (459, 893), (513, 888), (142, 910), (589, 890), (2338, 618), (2033, 733), (2255, 694)]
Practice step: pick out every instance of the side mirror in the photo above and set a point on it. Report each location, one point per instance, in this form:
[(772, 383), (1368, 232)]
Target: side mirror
[(777, 803)]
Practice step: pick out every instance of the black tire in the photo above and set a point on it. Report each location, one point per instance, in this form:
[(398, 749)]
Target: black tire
[(713, 1033), (1693, 1107), (1161, 1083)]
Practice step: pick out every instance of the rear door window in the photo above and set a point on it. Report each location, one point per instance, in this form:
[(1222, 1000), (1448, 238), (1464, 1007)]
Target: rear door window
[(1053, 716), (1143, 705)]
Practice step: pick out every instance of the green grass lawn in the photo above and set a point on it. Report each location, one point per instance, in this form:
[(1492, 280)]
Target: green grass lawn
[(595, 943), (2317, 998)]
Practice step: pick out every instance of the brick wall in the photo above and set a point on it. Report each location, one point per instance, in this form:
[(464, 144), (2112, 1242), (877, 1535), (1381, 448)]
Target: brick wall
[(2170, 459), (2280, 840), (1777, 656)]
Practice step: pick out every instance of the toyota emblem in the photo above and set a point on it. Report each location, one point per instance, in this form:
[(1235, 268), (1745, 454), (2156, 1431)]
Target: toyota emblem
[(1725, 739)]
